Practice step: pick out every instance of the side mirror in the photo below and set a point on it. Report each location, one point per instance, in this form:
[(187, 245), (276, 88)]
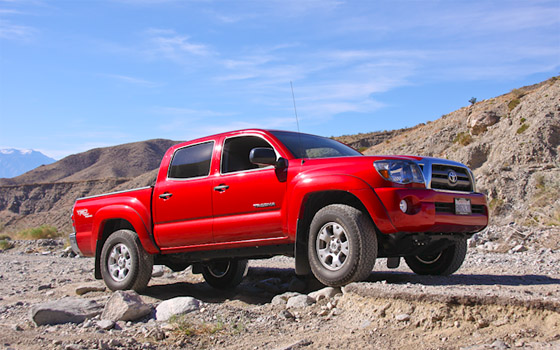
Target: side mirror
[(261, 155)]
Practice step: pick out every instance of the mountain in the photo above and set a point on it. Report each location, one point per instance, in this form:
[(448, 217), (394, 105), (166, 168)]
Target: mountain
[(122, 161), (14, 162), (512, 143)]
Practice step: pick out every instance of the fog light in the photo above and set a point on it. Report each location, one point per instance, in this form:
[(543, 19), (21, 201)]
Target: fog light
[(404, 206)]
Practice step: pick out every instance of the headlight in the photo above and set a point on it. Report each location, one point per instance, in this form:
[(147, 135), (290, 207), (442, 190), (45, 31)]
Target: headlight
[(399, 171)]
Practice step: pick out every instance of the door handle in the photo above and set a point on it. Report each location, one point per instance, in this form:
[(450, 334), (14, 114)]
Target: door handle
[(165, 195), (221, 188)]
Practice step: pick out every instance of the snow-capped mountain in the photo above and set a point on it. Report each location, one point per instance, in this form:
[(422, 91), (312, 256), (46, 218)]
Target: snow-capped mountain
[(14, 162)]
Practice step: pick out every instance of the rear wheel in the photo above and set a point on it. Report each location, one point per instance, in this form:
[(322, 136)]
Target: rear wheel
[(124, 262), (225, 274), (342, 245), (444, 262)]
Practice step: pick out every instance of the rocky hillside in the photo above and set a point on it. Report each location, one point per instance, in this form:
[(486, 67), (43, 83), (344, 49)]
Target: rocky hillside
[(512, 143)]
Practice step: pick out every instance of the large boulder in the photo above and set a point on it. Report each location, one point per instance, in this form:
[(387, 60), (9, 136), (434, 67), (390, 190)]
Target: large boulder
[(73, 310), (479, 122), (176, 306), (125, 306)]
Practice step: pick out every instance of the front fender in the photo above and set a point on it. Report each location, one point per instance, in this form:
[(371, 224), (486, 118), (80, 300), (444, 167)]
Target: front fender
[(307, 185)]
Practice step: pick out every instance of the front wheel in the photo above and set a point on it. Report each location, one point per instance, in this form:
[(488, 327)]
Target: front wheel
[(342, 245), (124, 262), (444, 262), (225, 274)]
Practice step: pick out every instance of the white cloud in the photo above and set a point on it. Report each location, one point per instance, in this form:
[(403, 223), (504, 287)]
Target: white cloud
[(176, 47), (16, 32), (132, 80)]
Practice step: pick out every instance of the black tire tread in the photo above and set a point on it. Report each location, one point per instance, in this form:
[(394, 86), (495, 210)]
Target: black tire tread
[(367, 244), (451, 260), (143, 262), (232, 279)]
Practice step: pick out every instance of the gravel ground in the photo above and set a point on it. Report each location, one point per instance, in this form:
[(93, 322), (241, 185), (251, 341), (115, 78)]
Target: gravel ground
[(497, 300)]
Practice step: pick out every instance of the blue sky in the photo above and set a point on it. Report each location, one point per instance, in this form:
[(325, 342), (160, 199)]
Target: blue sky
[(75, 75)]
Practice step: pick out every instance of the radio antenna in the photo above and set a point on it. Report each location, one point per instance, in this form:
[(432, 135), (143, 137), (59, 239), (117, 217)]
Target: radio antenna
[(297, 122), (295, 109)]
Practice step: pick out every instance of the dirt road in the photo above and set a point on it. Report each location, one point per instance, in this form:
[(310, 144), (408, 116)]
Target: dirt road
[(495, 301)]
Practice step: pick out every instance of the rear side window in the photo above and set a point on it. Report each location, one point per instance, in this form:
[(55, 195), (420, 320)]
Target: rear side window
[(192, 161)]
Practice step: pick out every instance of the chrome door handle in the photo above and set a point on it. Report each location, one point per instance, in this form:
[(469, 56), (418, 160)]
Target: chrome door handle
[(221, 188), (165, 195)]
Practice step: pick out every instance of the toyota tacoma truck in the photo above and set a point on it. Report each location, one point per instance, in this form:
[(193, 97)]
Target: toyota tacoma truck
[(250, 194)]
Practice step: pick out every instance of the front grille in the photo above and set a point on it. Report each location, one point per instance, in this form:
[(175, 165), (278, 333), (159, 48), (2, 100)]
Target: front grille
[(442, 176)]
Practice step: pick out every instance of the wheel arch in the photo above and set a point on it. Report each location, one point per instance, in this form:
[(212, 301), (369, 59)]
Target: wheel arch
[(311, 204), (112, 218)]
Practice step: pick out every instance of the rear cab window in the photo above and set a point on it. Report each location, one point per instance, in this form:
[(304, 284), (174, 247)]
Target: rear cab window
[(191, 161)]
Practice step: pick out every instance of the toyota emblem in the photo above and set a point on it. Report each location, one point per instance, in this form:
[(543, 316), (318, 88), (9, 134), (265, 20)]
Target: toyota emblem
[(452, 177)]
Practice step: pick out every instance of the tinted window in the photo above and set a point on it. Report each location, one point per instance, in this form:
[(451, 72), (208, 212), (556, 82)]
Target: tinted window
[(236, 153), (192, 161), (311, 146)]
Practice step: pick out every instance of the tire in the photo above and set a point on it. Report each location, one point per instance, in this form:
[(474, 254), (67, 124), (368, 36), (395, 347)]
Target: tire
[(443, 263), (342, 245), (225, 274), (124, 262)]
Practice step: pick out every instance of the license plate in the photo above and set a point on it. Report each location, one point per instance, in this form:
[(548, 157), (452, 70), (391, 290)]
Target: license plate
[(463, 206)]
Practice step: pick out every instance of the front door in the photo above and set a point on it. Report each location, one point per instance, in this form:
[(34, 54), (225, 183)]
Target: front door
[(247, 198)]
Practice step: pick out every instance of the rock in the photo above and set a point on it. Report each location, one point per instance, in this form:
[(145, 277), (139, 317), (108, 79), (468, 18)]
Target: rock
[(125, 306), (282, 299), (65, 310), (105, 324), (325, 293), (157, 271), (402, 317), (479, 123), (81, 290), (44, 286), (519, 249), (176, 306), (299, 301), (500, 345)]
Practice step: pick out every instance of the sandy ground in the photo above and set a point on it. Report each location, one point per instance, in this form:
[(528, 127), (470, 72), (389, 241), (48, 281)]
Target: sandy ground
[(495, 301)]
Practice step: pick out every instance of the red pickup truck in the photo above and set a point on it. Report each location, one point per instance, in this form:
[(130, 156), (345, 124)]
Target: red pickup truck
[(222, 199)]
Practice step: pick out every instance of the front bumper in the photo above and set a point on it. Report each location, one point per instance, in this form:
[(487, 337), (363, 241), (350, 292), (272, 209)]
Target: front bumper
[(433, 211), (74, 243)]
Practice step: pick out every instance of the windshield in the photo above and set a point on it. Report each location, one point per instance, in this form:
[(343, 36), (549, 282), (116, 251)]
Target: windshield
[(311, 146)]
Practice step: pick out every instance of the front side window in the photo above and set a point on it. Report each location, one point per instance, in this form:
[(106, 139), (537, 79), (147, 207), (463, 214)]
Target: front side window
[(191, 161), (236, 152)]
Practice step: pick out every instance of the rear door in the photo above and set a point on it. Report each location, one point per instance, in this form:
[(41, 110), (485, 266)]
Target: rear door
[(247, 199), (183, 202)]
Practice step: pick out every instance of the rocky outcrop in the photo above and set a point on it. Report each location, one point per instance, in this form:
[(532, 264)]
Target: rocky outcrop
[(512, 142)]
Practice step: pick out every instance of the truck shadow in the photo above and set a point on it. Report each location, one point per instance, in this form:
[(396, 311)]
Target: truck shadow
[(262, 284)]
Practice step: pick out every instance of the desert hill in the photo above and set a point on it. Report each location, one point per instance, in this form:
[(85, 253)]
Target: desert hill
[(512, 143), (122, 161)]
